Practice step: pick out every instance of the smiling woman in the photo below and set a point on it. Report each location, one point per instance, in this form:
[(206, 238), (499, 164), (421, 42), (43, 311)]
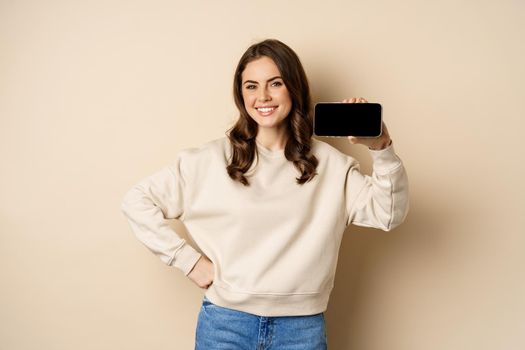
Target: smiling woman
[(272, 94), (266, 99), (269, 246)]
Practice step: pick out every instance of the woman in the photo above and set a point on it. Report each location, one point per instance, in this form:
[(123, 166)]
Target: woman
[(266, 206)]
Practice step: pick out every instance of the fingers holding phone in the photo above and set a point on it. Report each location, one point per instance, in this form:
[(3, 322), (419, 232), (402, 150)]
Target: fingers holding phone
[(355, 100)]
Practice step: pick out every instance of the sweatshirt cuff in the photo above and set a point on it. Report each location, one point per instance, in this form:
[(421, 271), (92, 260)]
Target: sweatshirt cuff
[(385, 160), (186, 259)]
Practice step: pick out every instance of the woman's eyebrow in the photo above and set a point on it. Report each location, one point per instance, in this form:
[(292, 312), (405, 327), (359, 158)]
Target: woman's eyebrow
[(254, 82)]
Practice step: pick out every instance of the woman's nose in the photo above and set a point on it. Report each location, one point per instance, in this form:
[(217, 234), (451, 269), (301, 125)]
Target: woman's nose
[(263, 94)]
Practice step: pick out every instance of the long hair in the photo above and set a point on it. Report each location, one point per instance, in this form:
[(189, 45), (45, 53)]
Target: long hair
[(299, 122)]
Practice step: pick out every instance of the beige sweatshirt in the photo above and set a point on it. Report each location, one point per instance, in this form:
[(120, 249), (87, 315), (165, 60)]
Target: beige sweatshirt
[(274, 244)]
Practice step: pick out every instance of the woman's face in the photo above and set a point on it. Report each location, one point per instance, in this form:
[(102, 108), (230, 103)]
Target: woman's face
[(266, 98)]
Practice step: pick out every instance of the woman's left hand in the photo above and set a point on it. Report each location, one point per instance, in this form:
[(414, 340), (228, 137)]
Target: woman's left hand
[(374, 143)]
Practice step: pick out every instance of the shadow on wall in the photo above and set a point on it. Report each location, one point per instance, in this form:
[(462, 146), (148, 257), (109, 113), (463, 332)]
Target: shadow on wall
[(362, 249), (372, 266)]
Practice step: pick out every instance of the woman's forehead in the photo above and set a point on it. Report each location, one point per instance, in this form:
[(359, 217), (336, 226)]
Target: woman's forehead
[(261, 69)]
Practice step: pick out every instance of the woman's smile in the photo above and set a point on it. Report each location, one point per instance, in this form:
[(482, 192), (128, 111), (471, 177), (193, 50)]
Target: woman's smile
[(266, 111)]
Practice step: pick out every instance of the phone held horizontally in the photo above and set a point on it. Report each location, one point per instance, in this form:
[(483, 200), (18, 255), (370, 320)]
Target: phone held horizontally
[(337, 119)]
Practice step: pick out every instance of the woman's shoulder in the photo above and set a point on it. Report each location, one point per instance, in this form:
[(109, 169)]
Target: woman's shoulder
[(205, 151), (200, 159), (220, 148), (325, 149), (331, 155)]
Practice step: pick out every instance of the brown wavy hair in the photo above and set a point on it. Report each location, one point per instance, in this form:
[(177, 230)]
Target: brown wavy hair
[(299, 122)]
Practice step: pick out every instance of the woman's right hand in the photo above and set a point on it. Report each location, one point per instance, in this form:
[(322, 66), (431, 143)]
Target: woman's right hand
[(202, 273)]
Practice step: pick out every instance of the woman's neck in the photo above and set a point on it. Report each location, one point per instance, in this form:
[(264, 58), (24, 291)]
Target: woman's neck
[(271, 139)]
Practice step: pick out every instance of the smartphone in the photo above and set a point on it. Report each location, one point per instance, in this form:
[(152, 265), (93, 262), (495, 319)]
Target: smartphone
[(347, 119)]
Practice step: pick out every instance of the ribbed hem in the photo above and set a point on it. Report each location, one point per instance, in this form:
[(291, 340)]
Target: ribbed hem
[(269, 304), (385, 161)]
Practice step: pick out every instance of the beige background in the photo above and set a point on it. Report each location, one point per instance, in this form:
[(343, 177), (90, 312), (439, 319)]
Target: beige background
[(95, 95)]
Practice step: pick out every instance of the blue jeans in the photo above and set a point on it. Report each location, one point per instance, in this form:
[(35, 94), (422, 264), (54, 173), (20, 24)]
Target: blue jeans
[(224, 328)]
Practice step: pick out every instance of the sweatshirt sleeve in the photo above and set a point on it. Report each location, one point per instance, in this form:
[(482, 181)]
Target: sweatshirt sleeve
[(149, 205), (380, 200)]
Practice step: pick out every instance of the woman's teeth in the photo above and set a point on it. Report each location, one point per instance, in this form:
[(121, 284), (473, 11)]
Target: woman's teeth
[(266, 109)]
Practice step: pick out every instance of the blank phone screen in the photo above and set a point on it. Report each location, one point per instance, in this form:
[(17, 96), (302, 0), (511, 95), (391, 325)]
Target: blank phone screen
[(347, 119)]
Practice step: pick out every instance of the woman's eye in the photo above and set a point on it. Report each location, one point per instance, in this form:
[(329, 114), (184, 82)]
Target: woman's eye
[(277, 83), (250, 87)]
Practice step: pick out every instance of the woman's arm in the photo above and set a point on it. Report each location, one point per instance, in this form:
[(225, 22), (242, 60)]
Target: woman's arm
[(148, 205), (380, 200)]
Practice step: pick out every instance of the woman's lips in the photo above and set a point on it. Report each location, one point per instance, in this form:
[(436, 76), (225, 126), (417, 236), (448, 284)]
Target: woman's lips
[(266, 111)]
